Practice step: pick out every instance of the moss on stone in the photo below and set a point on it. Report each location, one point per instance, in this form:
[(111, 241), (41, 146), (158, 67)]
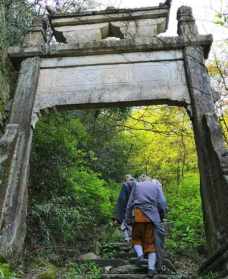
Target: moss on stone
[(49, 273)]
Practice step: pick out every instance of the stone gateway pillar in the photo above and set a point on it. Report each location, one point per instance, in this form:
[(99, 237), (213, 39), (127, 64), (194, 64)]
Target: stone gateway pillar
[(15, 149), (212, 156), (84, 68)]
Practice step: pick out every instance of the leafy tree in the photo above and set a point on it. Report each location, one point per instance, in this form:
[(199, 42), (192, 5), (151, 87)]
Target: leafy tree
[(218, 68), (68, 194), (163, 142), (107, 149)]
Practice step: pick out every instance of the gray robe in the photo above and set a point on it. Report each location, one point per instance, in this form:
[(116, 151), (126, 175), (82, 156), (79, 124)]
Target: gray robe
[(121, 205), (149, 197)]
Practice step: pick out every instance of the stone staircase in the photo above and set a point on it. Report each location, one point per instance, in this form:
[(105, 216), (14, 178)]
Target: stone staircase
[(119, 263), (123, 265)]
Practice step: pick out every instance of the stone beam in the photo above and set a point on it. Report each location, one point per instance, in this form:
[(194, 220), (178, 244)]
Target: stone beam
[(110, 14), (117, 79), (108, 47)]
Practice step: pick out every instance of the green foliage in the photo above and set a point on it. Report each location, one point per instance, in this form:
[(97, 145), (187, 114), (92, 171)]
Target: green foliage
[(54, 152), (41, 268), (109, 149), (15, 18), (49, 273), (93, 192), (210, 276), (162, 143), (220, 18), (66, 219), (87, 271), (6, 271), (185, 214), (68, 196), (82, 157)]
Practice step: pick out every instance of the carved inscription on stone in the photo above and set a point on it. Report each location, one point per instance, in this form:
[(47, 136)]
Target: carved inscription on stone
[(103, 84)]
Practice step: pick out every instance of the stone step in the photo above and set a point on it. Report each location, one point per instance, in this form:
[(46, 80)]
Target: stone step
[(133, 269), (119, 245), (128, 264), (128, 269), (122, 255), (140, 276), (105, 262), (124, 276)]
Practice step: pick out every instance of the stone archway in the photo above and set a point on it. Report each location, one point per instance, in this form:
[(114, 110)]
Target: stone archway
[(86, 71)]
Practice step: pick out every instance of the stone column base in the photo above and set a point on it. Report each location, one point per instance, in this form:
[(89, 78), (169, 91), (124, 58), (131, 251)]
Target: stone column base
[(217, 263)]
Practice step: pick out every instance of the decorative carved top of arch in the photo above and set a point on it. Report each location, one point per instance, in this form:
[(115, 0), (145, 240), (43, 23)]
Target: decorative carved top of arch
[(93, 26)]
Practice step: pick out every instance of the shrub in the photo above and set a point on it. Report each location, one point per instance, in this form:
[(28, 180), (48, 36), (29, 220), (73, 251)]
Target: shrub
[(185, 214)]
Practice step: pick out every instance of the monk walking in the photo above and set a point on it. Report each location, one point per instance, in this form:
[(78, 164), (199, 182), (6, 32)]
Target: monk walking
[(120, 211), (145, 210)]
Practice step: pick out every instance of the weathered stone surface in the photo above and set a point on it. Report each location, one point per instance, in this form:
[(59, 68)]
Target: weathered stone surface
[(211, 179), (15, 147), (209, 140), (134, 78), (127, 269), (111, 47), (124, 58), (97, 32), (110, 263), (186, 23), (95, 26), (108, 15), (36, 36), (89, 256), (217, 261)]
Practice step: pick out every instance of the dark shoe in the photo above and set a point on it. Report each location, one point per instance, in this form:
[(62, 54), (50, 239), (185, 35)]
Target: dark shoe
[(151, 273), (140, 261)]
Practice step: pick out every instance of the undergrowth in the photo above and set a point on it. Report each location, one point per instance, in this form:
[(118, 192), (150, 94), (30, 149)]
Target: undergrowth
[(185, 218)]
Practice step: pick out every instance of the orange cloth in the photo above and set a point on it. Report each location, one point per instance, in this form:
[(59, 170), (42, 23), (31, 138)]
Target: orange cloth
[(143, 232), (140, 217)]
